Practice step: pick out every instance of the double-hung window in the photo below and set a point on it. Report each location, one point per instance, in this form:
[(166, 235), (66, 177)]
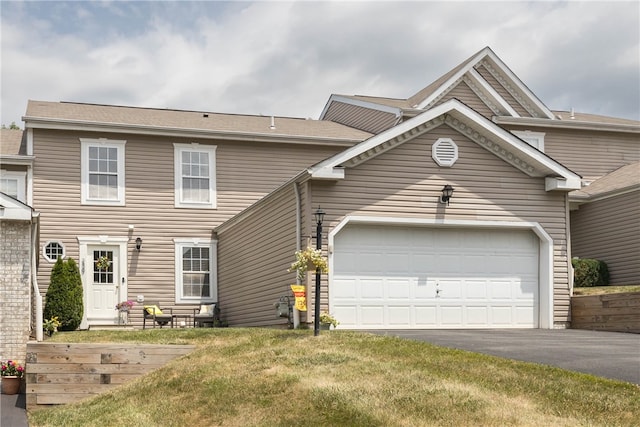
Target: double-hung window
[(102, 169), (195, 271), (195, 176), (13, 184)]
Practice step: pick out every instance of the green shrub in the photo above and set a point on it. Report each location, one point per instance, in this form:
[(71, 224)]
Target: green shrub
[(64, 296), (589, 272)]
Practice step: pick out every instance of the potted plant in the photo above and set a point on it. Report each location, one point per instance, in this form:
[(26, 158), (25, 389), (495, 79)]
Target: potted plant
[(309, 259), (125, 305), (327, 320), (51, 325), (12, 373)]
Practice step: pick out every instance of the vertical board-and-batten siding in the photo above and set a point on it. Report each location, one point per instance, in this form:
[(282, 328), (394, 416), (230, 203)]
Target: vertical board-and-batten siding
[(609, 230), (406, 182), (245, 172), (355, 116), (255, 252)]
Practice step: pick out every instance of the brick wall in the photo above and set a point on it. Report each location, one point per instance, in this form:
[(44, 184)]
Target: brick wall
[(15, 243)]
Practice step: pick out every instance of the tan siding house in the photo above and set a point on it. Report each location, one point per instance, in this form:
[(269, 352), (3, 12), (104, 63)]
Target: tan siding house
[(238, 173), (390, 185), (192, 207)]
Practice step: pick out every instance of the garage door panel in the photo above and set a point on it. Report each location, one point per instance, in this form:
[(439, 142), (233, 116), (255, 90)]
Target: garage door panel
[(450, 315), (345, 288), (425, 316), (371, 288), (399, 288), (476, 289), (372, 315), (485, 278), (398, 315), (477, 316)]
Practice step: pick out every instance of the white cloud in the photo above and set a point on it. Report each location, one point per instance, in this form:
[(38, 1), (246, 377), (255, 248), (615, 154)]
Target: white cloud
[(287, 58)]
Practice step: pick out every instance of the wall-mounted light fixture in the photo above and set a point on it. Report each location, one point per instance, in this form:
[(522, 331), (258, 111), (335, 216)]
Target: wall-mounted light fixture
[(447, 192), (138, 244)]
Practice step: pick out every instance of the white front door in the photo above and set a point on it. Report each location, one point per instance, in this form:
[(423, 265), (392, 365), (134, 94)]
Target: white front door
[(103, 280)]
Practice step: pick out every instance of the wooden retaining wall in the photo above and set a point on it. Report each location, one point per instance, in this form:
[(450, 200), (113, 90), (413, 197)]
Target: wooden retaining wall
[(59, 373), (612, 312)]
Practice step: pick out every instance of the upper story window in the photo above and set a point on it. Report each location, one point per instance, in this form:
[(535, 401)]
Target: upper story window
[(535, 139), (195, 176), (52, 251), (13, 184), (102, 168)]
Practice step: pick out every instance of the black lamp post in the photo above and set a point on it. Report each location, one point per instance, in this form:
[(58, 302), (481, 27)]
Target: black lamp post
[(319, 214)]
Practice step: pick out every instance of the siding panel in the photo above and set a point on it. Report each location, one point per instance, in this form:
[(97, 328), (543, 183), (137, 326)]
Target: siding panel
[(502, 91), (590, 154), (609, 230), (486, 188), (254, 255), (366, 119), (245, 173), (463, 93)]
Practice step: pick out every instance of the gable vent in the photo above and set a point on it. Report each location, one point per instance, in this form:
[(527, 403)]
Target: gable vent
[(444, 152)]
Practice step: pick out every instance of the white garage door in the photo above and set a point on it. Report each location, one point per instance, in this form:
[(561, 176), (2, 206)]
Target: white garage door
[(387, 277)]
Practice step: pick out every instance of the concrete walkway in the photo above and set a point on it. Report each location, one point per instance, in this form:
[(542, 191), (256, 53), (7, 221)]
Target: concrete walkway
[(13, 411), (605, 354)]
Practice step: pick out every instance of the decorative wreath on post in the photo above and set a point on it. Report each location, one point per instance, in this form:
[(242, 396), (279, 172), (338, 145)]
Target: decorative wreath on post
[(102, 263)]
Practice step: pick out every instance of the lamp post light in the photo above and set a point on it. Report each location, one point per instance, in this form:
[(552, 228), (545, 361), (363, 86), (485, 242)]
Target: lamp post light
[(319, 215)]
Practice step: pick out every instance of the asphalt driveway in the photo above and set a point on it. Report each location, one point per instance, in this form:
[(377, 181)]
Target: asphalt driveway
[(606, 354)]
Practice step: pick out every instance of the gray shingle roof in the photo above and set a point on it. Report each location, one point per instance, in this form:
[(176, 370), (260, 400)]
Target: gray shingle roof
[(623, 178), (187, 120), (11, 142)]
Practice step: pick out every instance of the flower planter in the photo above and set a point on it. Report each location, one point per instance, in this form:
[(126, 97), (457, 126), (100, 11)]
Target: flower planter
[(325, 326), (11, 385)]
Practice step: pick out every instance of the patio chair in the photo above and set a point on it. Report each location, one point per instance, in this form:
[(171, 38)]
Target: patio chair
[(206, 314), (152, 311)]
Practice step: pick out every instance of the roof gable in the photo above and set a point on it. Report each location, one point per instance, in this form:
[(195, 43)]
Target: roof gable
[(501, 75), (469, 123)]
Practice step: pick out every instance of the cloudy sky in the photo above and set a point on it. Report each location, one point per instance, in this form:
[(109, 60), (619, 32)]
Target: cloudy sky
[(284, 58)]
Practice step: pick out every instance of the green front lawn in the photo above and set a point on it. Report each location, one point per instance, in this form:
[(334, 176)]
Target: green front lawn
[(266, 377), (600, 290)]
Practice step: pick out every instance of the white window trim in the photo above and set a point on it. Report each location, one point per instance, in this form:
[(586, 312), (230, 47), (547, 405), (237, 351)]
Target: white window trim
[(178, 149), (44, 250), (534, 139), (85, 143), (213, 275), (21, 178)]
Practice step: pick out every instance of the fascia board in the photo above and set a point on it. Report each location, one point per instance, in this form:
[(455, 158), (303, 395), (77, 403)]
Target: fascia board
[(516, 143), (562, 184), (473, 74), (516, 80), (325, 168), (603, 196), (566, 124), (361, 103), (38, 123), (11, 159), (453, 78), (460, 111), (14, 209)]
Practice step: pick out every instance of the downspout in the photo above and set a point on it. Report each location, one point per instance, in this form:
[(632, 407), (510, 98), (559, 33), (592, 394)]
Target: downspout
[(296, 189), (34, 275)]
